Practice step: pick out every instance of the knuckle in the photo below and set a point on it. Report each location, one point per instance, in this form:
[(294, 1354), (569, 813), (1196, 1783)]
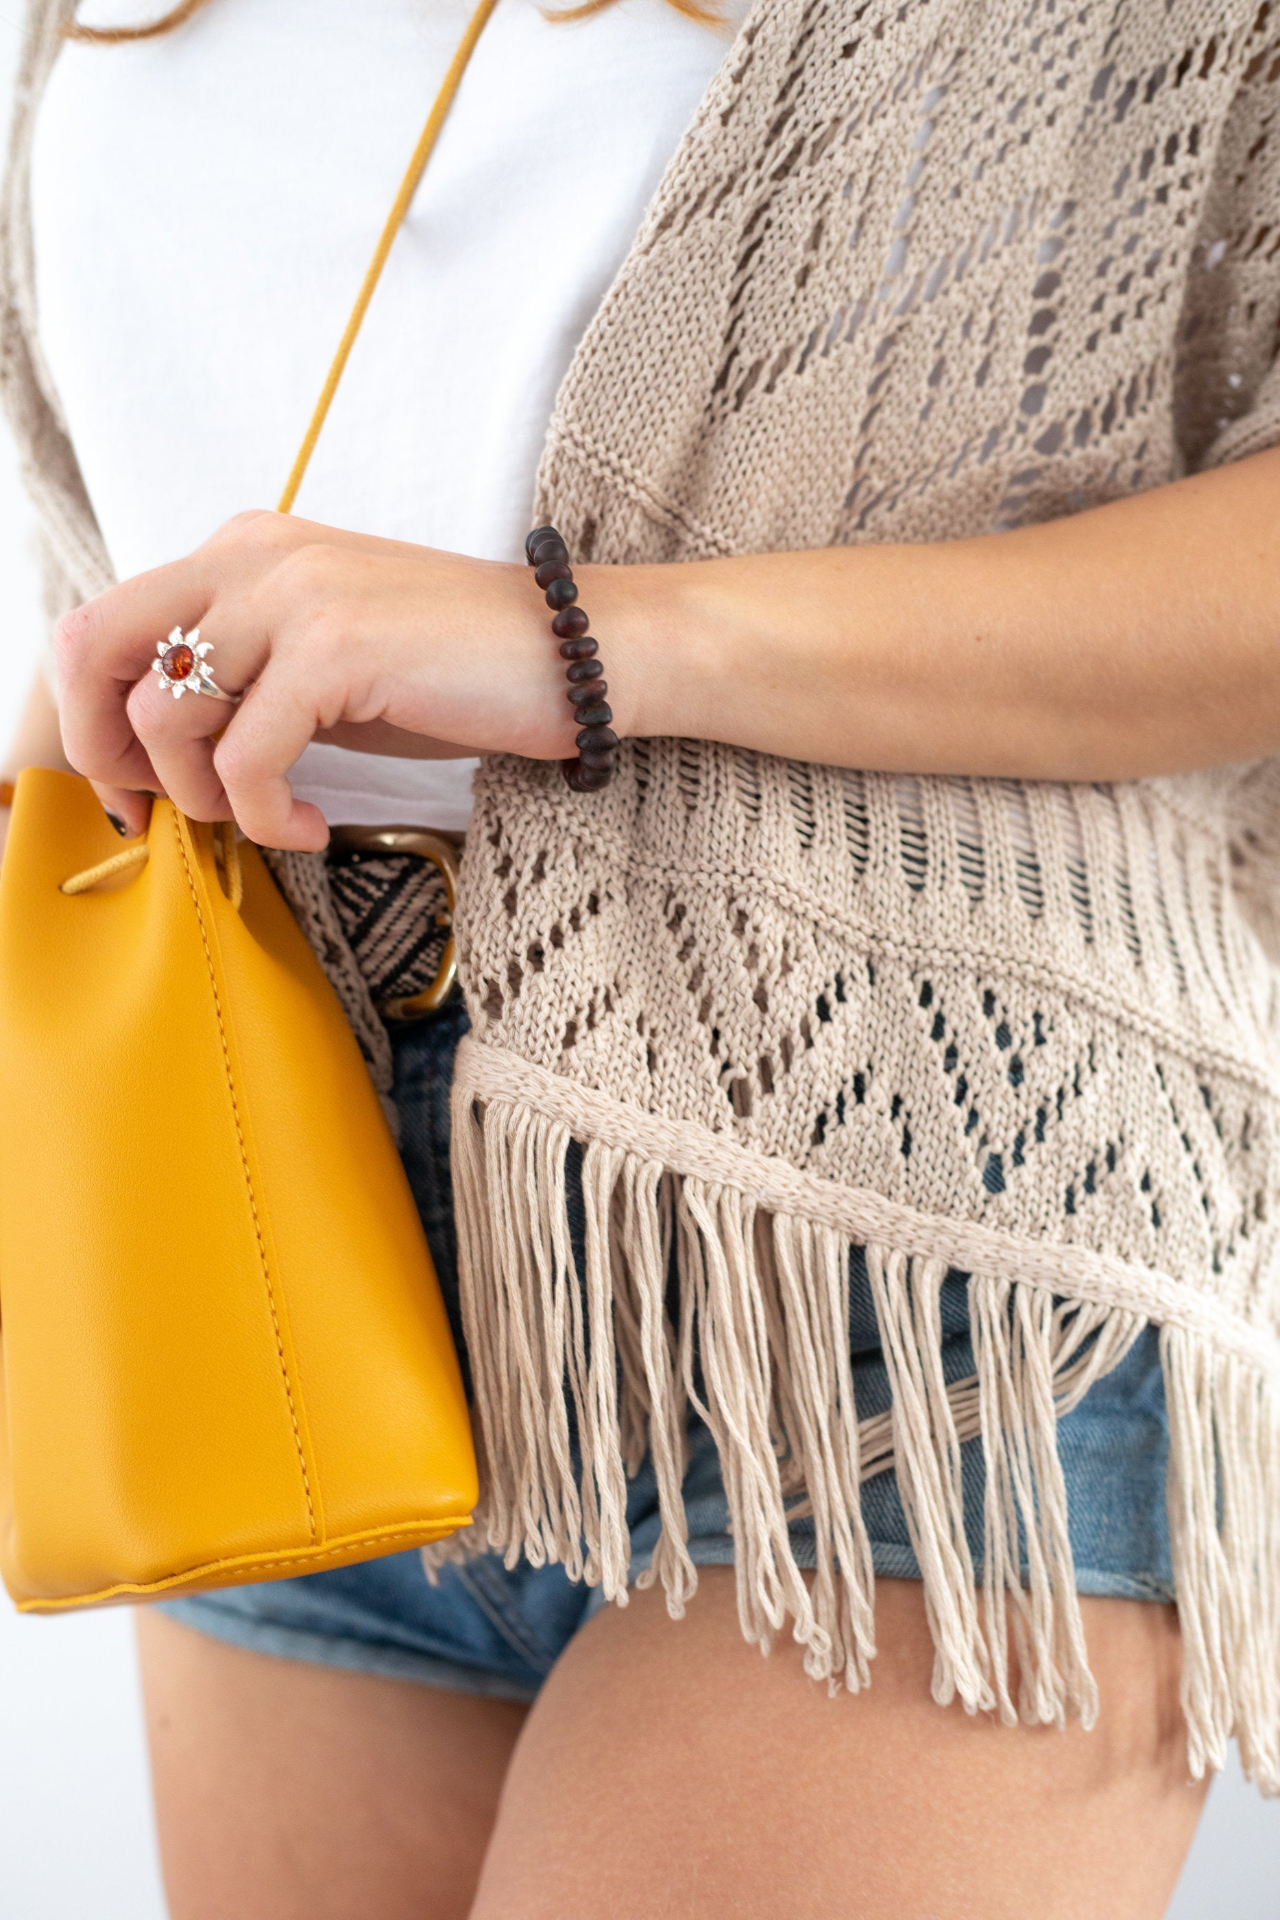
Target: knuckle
[(312, 570), (74, 636), (314, 614), (144, 714), (323, 636), (256, 528), (233, 762)]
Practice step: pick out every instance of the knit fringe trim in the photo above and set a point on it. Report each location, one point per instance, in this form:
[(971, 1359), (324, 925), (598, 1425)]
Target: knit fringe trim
[(753, 1338)]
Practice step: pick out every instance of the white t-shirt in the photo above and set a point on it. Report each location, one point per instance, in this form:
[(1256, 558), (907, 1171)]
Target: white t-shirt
[(205, 205)]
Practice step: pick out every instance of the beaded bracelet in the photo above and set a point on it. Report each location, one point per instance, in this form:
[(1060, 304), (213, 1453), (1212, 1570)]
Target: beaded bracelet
[(597, 743)]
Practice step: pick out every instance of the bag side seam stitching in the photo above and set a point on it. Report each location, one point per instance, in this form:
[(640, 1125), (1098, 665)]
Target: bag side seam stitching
[(248, 1181)]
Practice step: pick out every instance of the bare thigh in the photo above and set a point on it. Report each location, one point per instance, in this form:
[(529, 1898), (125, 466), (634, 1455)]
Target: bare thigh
[(669, 1770), (287, 1791)]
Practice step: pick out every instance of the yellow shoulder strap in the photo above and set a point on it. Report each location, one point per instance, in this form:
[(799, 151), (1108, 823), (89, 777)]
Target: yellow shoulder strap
[(137, 855), (400, 206)]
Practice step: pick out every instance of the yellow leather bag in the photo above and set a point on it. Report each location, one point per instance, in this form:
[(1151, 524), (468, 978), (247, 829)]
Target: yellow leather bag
[(225, 1354)]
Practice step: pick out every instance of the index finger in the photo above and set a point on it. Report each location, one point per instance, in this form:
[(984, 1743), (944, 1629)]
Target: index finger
[(102, 650)]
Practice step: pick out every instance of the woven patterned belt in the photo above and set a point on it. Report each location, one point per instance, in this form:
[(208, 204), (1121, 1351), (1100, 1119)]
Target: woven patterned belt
[(394, 890)]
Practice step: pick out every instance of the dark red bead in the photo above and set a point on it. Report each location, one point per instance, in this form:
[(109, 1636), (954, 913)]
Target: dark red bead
[(603, 761), (593, 739), (594, 766), (584, 779)]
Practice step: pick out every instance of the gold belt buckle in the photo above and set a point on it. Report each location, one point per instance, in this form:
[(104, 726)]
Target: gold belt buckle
[(443, 855)]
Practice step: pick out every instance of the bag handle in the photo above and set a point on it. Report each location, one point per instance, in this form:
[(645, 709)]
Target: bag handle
[(136, 856)]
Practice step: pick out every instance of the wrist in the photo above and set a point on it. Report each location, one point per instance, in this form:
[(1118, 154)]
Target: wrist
[(659, 632)]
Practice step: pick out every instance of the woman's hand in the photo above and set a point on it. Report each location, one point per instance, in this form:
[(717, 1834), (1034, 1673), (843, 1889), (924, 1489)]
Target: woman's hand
[(1138, 638), (327, 633)]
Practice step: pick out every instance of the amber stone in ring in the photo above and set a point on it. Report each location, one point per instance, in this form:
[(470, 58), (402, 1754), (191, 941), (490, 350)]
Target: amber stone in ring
[(178, 661)]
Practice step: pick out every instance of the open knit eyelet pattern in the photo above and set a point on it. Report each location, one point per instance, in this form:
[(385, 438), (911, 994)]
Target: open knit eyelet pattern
[(913, 274)]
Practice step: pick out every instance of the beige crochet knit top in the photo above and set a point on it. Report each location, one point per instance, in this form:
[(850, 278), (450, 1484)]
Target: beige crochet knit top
[(920, 268)]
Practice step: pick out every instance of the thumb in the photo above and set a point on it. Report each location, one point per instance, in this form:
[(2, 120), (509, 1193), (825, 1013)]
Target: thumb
[(128, 811)]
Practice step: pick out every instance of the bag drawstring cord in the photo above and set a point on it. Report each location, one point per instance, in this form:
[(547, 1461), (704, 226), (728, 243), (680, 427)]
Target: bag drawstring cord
[(107, 869), (226, 853)]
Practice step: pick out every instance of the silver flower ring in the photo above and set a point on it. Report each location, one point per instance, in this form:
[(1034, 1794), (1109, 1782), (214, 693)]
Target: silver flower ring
[(183, 666)]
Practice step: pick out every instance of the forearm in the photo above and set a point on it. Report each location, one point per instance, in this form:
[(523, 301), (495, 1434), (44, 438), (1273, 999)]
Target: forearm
[(1139, 638)]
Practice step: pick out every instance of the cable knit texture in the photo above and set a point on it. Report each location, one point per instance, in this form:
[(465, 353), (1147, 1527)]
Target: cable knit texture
[(919, 269)]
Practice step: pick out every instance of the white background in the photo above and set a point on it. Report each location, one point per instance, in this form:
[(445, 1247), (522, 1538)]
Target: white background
[(76, 1837)]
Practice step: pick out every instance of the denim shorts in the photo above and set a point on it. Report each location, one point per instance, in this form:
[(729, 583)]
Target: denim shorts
[(485, 1628)]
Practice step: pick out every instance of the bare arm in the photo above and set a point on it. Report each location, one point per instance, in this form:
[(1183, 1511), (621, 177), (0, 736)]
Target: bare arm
[(1141, 637), (1138, 638)]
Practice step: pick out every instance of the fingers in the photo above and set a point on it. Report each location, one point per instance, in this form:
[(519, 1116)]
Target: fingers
[(102, 650), (128, 812), (264, 591), (267, 733), (178, 736), (124, 727)]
